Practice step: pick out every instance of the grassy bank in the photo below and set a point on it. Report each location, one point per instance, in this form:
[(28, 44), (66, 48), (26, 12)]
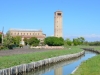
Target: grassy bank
[(97, 47), (8, 61), (94, 47), (89, 67)]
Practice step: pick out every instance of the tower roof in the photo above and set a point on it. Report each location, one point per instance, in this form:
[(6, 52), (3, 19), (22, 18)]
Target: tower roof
[(58, 11)]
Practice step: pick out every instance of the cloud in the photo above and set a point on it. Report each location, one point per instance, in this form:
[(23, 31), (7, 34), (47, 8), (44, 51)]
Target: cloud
[(85, 36), (88, 37), (92, 36), (50, 36)]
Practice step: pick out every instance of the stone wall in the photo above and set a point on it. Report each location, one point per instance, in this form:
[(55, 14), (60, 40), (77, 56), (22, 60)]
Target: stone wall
[(48, 47), (91, 49), (19, 69)]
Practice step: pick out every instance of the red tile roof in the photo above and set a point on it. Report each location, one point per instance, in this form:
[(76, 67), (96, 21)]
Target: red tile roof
[(0, 32)]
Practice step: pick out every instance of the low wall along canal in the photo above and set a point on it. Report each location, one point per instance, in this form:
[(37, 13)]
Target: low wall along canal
[(92, 50), (23, 68), (65, 67)]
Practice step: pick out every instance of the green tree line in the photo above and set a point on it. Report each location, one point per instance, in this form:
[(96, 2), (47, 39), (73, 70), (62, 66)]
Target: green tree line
[(75, 41), (80, 41), (9, 41), (15, 41)]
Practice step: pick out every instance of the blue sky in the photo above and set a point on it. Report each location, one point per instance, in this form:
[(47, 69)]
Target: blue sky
[(80, 17)]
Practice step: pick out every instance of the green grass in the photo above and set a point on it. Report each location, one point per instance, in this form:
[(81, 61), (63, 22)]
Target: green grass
[(89, 67), (13, 60), (95, 47)]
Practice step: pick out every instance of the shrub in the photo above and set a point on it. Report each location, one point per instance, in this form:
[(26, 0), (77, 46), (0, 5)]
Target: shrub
[(20, 45), (10, 46), (1, 47), (54, 41)]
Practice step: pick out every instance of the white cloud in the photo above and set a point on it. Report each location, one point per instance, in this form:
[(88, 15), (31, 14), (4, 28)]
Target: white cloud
[(88, 37), (92, 36), (52, 35)]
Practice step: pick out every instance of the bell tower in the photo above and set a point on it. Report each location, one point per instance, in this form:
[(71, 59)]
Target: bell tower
[(58, 24)]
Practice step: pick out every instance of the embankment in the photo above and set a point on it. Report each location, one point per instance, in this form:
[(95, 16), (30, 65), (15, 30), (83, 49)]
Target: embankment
[(92, 49), (23, 68)]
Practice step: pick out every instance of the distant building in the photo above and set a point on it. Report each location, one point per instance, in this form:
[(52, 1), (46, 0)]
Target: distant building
[(27, 33), (58, 24), (0, 32)]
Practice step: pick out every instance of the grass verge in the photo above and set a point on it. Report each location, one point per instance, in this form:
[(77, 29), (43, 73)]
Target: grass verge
[(94, 47), (89, 67), (13, 60)]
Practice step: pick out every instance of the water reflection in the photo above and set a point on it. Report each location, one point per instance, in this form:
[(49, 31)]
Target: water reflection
[(62, 68), (52, 69), (58, 71)]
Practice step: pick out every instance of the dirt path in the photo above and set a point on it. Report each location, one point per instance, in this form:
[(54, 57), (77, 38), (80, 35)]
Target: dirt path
[(20, 51)]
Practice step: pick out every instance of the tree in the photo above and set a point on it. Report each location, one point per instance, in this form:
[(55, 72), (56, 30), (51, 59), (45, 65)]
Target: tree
[(0, 38), (33, 41), (61, 41), (81, 40), (95, 43), (7, 41), (78, 41), (86, 43), (16, 40), (68, 42), (25, 41), (54, 41), (75, 41)]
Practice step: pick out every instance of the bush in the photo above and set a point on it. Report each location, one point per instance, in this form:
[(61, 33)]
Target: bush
[(33, 41), (10, 46), (20, 45), (1, 47), (54, 41)]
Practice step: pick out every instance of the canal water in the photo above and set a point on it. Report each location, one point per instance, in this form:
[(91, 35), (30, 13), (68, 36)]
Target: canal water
[(62, 68)]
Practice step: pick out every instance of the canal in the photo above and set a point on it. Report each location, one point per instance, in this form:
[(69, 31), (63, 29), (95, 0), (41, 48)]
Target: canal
[(62, 68)]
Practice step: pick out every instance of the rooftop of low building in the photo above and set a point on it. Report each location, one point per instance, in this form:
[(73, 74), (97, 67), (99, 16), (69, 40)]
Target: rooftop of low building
[(39, 30)]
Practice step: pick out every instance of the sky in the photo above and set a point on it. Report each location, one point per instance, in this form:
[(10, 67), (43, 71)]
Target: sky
[(80, 17)]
